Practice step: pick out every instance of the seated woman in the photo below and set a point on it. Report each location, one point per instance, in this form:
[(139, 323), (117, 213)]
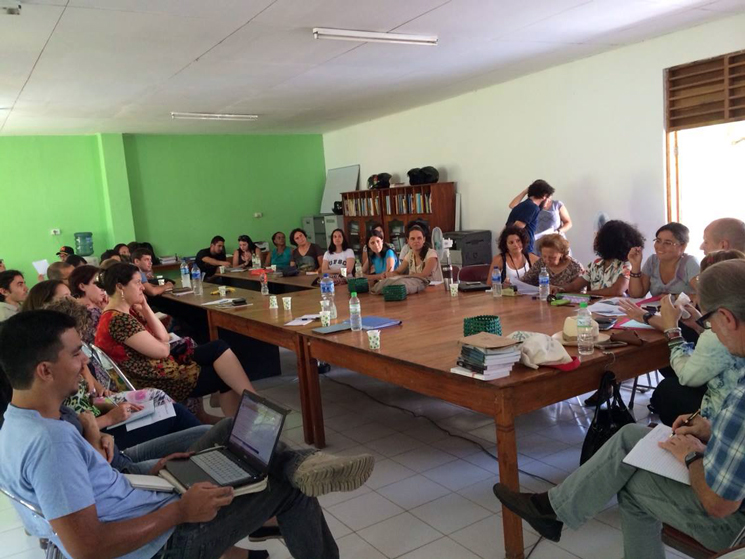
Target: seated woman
[(421, 260), (280, 256), (118, 406), (669, 269), (131, 334), (243, 255), (374, 228), (513, 260), (45, 292), (381, 259), (562, 268), (609, 274), (122, 251), (307, 257), (704, 373), (339, 255)]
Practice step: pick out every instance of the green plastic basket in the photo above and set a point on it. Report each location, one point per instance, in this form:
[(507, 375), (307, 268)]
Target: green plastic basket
[(482, 323), (360, 285), (394, 292)]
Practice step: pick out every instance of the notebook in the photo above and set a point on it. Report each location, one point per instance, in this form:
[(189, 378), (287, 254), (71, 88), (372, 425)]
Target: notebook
[(647, 455), (148, 408)]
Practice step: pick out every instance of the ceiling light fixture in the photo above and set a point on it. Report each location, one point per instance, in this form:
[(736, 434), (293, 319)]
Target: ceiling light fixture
[(374, 37), (213, 116)]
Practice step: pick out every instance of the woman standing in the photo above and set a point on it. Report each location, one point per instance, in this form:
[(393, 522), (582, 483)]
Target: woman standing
[(561, 267), (243, 255), (553, 218), (513, 259), (669, 269), (280, 255), (307, 256), (381, 259), (421, 260), (339, 255)]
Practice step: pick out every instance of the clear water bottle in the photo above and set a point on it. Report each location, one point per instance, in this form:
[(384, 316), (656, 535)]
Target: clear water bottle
[(264, 285), (585, 339), (496, 282), (185, 279), (255, 261), (357, 269), (196, 279), (327, 293), (447, 271), (355, 312), (543, 284)]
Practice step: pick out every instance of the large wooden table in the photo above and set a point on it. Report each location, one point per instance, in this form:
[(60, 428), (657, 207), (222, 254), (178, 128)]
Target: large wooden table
[(277, 285), (418, 355)]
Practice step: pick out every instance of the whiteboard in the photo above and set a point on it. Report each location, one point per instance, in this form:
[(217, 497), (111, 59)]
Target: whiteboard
[(343, 179)]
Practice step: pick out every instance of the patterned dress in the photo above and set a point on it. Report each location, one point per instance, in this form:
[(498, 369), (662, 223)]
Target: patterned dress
[(600, 277), (567, 275)]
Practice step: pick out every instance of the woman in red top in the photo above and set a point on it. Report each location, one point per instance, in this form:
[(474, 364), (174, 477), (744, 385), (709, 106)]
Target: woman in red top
[(131, 334)]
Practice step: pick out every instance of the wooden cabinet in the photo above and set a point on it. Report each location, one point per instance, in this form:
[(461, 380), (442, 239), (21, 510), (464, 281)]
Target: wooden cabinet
[(394, 208)]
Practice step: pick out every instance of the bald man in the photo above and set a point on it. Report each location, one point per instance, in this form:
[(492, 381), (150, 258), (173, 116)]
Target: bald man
[(727, 233)]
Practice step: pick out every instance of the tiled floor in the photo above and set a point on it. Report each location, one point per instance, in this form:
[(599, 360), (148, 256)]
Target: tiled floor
[(430, 494)]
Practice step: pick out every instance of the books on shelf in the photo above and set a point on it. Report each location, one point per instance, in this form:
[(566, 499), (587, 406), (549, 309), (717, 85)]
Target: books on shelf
[(410, 203), (361, 206), (486, 356)]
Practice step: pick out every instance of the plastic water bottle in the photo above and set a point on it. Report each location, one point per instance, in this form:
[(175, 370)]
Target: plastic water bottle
[(496, 282), (264, 285), (327, 294), (185, 279), (357, 269), (355, 312), (543, 281), (196, 279), (585, 339), (447, 271)]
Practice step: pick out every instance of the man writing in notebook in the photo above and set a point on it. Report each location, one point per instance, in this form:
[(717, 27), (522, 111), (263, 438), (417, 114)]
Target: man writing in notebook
[(92, 510), (710, 509)]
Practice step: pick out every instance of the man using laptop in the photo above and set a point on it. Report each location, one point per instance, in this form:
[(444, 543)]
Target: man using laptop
[(93, 510)]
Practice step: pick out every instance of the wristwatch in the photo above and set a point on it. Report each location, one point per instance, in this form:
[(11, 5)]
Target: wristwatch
[(647, 316), (691, 457)]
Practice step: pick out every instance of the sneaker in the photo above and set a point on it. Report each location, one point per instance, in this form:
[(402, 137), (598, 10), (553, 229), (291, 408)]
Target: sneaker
[(323, 473), (524, 506)]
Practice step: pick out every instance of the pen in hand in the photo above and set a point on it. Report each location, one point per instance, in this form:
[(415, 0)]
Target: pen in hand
[(691, 417)]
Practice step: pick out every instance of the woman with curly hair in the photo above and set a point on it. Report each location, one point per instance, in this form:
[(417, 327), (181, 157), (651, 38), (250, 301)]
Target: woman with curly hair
[(608, 275), (513, 260)]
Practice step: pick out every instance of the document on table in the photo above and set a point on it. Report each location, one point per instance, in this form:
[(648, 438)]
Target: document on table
[(41, 267), (303, 320), (647, 455), (524, 288), (159, 413)]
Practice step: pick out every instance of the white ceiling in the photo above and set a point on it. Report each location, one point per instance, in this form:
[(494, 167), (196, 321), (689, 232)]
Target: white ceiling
[(85, 66)]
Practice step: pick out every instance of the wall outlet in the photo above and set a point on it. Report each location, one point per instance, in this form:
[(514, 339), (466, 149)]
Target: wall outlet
[(55, 231), (258, 214)]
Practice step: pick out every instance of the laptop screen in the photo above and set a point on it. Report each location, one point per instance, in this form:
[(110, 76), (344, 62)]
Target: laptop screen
[(256, 429)]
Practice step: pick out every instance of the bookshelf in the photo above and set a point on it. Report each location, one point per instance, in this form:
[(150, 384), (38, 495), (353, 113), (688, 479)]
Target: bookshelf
[(394, 208)]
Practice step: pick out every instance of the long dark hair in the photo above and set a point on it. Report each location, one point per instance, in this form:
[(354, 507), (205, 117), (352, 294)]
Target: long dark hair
[(506, 233), (385, 248), (40, 294), (121, 273), (425, 247), (247, 239), (344, 243)]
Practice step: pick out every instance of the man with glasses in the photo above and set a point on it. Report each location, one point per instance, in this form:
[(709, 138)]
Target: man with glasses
[(713, 451)]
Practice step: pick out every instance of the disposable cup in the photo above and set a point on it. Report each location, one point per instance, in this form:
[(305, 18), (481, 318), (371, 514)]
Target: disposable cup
[(287, 303), (454, 289), (273, 302), (325, 318), (222, 269), (373, 336), (222, 290), (343, 272)]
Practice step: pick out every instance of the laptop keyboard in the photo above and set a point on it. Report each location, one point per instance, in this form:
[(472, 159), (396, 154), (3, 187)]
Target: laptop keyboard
[(221, 468)]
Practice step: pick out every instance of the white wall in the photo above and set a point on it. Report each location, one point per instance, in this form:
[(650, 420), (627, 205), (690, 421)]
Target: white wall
[(593, 128)]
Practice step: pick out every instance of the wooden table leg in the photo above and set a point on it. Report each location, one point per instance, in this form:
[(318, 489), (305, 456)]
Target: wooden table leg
[(211, 326), (314, 396), (305, 404), (508, 474)]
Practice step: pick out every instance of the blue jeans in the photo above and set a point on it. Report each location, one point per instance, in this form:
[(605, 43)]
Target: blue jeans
[(183, 419)]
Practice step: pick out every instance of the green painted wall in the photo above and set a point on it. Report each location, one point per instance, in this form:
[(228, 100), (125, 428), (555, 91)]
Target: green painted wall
[(186, 189), (115, 184), (48, 182)]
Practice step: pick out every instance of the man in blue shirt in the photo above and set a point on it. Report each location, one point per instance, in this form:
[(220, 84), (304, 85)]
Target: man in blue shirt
[(710, 509), (525, 214), (91, 510)]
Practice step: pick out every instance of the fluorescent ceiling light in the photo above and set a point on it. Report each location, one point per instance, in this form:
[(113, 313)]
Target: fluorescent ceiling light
[(374, 37), (213, 116)]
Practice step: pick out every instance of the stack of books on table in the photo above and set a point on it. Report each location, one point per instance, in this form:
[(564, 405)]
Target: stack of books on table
[(487, 356)]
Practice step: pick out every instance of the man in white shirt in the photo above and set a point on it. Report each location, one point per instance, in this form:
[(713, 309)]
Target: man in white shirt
[(13, 292)]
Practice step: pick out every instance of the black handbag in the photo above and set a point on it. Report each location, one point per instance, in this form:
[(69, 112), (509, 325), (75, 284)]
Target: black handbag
[(607, 421)]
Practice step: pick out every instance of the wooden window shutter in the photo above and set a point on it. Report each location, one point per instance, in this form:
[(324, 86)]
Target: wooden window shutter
[(705, 92)]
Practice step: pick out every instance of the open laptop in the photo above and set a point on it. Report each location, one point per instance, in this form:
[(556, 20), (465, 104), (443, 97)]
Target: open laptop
[(246, 457)]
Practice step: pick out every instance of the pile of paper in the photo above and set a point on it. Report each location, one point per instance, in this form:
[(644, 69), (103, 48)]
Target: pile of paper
[(487, 356)]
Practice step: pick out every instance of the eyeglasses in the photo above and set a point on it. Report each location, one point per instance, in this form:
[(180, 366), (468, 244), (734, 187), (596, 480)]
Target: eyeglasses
[(703, 322), (666, 244)]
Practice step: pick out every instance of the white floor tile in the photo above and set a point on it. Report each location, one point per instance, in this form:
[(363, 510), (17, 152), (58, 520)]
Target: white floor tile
[(394, 444), (481, 493), (424, 458), (354, 547), (367, 432), (593, 539), (467, 421), (546, 471), (337, 527), (413, 491), (567, 460), (345, 421), (427, 433), (450, 513), (458, 474), (364, 511), (9, 519), (486, 538), (36, 553), (538, 446), (457, 447), (386, 472), (16, 541), (332, 499), (399, 535), (489, 463), (444, 548), (549, 550)]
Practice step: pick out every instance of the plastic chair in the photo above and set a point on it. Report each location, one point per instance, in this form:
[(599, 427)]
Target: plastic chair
[(478, 272), (116, 374), (51, 550)]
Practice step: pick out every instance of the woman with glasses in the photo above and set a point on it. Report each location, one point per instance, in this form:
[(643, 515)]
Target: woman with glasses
[(669, 269)]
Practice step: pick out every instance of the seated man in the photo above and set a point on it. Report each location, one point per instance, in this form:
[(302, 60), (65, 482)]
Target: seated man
[(143, 259), (710, 509), (64, 252), (209, 259), (726, 233), (92, 511), (13, 292), (60, 271)]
